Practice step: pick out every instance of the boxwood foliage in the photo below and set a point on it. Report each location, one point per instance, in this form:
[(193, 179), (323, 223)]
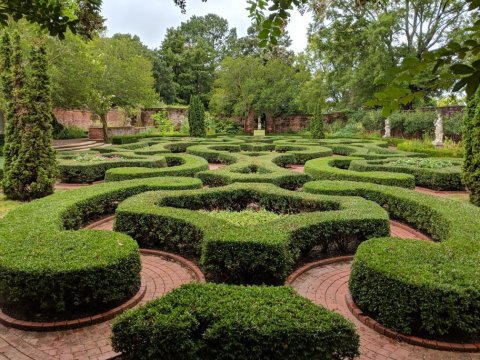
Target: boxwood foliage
[(73, 171), (448, 178), (178, 165), (258, 253), (46, 266), (411, 286), (336, 168), (214, 321), (262, 167)]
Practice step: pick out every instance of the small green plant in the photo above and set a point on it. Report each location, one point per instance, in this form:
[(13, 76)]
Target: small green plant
[(245, 217), (70, 132), (424, 163), (163, 123), (96, 157)]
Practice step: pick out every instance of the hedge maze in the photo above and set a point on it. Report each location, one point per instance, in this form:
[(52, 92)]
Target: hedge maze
[(342, 203)]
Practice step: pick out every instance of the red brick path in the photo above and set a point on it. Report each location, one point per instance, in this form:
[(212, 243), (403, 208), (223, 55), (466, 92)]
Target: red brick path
[(328, 285)]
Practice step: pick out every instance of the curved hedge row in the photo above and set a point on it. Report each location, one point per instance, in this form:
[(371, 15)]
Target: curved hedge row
[(215, 321), (411, 286), (46, 266), (448, 178), (336, 168), (78, 171), (178, 165), (263, 252)]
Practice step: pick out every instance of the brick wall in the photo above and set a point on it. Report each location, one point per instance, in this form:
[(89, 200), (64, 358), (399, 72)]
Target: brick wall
[(96, 133), (84, 118), (176, 116)]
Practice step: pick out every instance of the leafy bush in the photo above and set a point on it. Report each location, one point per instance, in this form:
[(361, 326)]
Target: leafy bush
[(450, 149), (232, 322), (70, 132), (333, 168), (163, 123), (431, 173), (46, 266), (413, 123), (255, 253), (412, 286), (228, 127)]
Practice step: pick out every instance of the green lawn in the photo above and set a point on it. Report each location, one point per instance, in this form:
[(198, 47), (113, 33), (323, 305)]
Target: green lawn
[(7, 205)]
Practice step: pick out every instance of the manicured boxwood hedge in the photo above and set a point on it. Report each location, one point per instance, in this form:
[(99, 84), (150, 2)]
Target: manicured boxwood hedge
[(213, 321), (336, 168), (258, 253), (178, 165), (411, 286), (46, 266), (448, 178), (72, 171)]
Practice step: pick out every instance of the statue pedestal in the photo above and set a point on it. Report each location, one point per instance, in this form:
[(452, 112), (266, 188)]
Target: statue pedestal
[(259, 133)]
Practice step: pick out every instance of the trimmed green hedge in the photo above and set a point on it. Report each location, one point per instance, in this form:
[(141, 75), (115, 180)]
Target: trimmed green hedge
[(336, 168), (448, 178), (412, 286), (258, 253), (46, 266), (72, 171), (178, 165), (214, 321)]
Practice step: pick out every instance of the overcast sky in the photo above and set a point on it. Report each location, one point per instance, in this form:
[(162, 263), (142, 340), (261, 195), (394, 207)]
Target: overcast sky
[(149, 19)]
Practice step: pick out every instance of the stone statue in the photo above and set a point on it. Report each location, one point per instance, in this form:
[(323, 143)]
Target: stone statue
[(388, 130), (259, 123), (438, 142)]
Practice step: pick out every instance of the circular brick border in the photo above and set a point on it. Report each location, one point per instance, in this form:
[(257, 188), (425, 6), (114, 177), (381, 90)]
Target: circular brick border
[(107, 315), (413, 340), (76, 323), (371, 323)]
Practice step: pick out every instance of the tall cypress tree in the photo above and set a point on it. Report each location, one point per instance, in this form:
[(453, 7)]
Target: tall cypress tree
[(471, 139), (316, 124), (35, 171), (14, 82), (196, 117)]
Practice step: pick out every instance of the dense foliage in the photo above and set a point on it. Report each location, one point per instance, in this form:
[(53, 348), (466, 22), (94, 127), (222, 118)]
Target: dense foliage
[(471, 164), (196, 118), (213, 321), (316, 124), (30, 163)]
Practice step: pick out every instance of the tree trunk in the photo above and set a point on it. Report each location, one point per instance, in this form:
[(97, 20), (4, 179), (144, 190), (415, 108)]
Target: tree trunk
[(103, 119)]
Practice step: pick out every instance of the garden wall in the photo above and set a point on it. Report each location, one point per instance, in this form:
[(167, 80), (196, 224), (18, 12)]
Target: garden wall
[(84, 118), (176, 115)]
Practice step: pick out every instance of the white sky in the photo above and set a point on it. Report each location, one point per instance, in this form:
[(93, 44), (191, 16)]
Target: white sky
[(149, 19)]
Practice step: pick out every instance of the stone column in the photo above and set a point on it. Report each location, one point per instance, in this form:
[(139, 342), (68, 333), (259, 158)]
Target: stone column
[(388, 130), (438, 142)]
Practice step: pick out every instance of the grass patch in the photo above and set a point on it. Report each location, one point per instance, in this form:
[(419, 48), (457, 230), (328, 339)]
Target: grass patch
[(7, 205), (245, 217)]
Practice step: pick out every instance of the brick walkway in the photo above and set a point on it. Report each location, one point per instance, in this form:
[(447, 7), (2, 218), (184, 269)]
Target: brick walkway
[(328, 285), (212, 166), (93, 342)]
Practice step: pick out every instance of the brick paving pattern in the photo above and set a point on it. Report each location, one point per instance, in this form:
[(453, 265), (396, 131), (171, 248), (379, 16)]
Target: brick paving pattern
[(92, 342)]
